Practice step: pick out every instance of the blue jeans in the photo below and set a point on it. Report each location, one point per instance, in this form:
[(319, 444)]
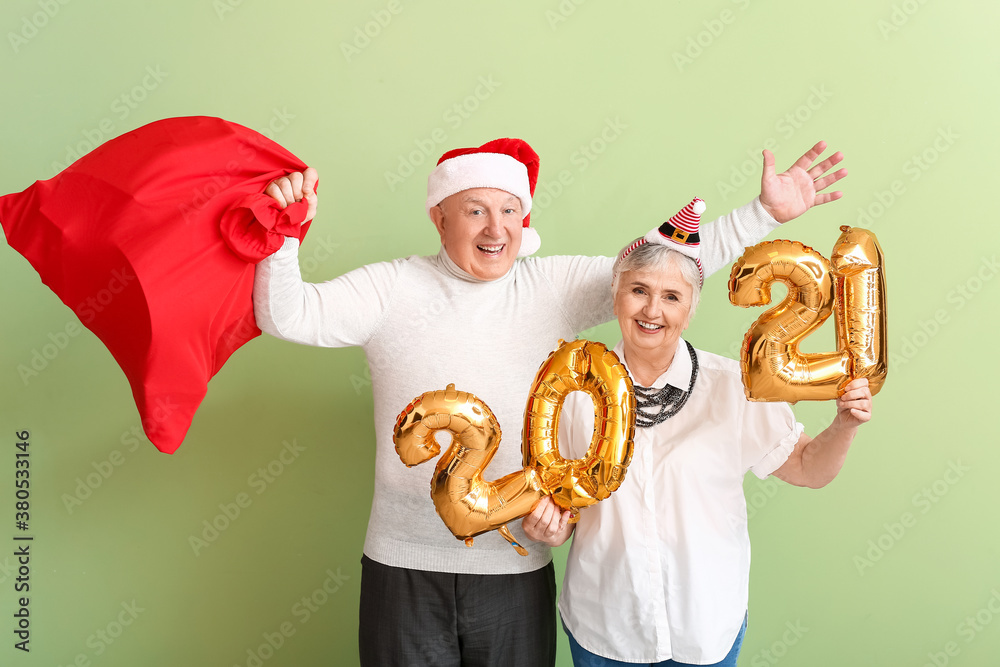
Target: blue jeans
[(584, 658)]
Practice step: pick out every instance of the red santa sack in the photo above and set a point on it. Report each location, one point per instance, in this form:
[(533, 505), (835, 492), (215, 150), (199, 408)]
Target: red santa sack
[(151, 239)]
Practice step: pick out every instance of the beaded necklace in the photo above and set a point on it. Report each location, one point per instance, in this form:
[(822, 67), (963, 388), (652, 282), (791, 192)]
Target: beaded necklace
[(654, 406)]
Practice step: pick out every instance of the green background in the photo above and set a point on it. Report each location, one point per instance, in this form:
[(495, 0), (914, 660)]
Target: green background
[(642, 105)]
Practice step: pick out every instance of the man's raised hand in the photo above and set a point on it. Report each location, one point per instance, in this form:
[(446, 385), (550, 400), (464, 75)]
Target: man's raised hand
[(295, 187)]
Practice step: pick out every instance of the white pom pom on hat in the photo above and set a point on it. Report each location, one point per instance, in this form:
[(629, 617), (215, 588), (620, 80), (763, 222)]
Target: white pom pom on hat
[(506, 164), (530, 242)]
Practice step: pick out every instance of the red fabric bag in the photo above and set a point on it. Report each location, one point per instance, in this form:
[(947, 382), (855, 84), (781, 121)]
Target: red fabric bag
[(151, 239)]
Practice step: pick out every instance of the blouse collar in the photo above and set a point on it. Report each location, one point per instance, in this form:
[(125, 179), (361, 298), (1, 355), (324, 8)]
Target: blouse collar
[(677, 375)]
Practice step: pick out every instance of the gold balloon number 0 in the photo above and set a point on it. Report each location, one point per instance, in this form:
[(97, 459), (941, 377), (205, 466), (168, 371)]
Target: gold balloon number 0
[(851, 285), (470, 505)]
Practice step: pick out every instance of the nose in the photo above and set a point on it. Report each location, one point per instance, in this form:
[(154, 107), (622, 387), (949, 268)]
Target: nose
[(651, 308), (494, 225)]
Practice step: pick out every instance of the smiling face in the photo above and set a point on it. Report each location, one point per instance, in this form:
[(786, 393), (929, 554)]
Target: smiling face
[(653, 308), (480, 230)]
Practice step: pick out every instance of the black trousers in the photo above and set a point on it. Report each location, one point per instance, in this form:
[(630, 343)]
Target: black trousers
[(413, 618)]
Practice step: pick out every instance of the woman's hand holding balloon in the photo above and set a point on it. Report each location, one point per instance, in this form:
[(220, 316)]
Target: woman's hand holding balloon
[(854, 406), (548, 524)]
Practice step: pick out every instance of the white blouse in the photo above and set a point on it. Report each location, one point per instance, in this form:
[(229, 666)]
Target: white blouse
[(661, 569)]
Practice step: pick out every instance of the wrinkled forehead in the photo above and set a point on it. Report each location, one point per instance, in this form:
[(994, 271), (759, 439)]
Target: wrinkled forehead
[(655, 260), (664, 276)]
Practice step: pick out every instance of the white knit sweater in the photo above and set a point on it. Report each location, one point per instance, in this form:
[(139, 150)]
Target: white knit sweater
[(424, 323)]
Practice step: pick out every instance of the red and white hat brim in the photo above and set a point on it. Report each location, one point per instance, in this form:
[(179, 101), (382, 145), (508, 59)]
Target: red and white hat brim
[(479, 170)]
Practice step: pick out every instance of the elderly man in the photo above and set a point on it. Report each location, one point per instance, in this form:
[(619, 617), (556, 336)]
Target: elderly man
[(426, 598)]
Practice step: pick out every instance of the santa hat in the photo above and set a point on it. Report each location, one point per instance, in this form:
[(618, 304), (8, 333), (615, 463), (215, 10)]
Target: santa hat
[(680, 233), (505, 164)]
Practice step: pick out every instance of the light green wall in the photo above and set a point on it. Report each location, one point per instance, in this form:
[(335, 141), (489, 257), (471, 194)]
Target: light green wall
[(889, 83)]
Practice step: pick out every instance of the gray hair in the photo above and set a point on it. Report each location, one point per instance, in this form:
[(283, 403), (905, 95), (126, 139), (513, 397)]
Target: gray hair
[(656, 257)]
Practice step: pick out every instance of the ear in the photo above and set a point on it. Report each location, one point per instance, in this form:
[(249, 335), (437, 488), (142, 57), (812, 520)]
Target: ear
[(437, 217)]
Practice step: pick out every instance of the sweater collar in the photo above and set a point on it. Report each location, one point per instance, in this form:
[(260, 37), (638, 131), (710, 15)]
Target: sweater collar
[(454, 270)]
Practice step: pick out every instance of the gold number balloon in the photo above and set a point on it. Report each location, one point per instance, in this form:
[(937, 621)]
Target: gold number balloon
[(852, 287), (592, 368), (470, 505), (858, 263)]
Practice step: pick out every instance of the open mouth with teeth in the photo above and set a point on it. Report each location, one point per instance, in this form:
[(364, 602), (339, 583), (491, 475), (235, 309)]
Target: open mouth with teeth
[(492, 250), (646, 326)]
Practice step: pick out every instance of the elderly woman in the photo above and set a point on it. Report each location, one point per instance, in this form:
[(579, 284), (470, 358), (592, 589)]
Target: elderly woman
[(658, 573)]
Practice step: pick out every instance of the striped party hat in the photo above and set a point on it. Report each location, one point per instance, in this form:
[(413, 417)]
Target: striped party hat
[(680, 232)]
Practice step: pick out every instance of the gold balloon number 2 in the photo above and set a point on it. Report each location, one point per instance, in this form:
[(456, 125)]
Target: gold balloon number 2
[(851, 285), (470, 505)]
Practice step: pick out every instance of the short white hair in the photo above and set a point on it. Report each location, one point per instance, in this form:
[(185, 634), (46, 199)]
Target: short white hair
[(657, 257)]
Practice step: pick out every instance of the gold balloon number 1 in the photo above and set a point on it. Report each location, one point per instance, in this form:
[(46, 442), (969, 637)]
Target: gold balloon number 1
[(851, 285)]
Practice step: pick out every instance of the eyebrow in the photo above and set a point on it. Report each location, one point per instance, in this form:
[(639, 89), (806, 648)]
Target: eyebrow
[(476, 200), (669, 290)]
